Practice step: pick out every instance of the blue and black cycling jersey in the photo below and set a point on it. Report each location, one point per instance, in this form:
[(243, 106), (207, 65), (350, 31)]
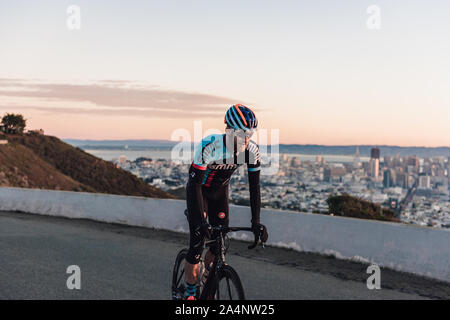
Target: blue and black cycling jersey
[(215, 161), (219, 161)]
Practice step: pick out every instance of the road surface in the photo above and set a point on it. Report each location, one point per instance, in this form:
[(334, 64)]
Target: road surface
[(122, 262)]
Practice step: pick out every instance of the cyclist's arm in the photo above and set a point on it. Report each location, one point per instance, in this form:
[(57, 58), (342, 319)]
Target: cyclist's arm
[(255, 193), (254, 169), (194, 196)]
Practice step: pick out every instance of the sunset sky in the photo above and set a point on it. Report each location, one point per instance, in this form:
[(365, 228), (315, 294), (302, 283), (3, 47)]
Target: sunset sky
[(312, 69)]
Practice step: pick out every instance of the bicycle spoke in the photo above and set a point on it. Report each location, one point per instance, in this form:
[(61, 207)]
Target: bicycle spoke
[(218, 291), (229, 288), (179, 279)]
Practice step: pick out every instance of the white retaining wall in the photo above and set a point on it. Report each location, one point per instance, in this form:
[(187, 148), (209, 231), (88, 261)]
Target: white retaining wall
[(419, 250)]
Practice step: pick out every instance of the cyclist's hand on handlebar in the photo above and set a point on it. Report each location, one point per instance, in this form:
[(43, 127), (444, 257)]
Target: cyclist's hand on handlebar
[(205, 230), (260, 232)]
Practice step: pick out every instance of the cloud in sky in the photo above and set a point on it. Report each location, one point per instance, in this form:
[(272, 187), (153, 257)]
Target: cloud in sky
[(110, 97)]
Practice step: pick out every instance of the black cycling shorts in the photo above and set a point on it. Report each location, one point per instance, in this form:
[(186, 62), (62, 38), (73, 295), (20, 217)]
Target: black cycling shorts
[(215, 204)]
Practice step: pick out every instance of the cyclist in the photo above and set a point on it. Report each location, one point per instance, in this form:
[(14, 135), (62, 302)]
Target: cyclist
[(215, 160)]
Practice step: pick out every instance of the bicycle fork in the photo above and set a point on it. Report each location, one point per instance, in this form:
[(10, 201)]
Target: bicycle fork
[(212, 281)]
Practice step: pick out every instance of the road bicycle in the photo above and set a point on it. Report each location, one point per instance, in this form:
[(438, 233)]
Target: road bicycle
[(223, 282)]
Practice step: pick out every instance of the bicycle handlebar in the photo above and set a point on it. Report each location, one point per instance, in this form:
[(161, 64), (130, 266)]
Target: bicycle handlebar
[(234, 229)]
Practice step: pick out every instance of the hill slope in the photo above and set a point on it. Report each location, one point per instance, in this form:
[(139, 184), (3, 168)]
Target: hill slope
[(20, 167), (42, 159)]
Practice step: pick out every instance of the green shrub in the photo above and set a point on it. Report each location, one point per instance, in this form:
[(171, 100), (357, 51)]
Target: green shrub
[(348, 206)]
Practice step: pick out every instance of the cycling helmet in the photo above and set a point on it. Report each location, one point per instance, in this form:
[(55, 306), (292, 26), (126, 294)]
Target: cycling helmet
[(240, 117)]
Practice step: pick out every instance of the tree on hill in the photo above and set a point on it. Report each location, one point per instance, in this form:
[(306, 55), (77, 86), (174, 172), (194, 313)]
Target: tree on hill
[(13, 123), (348, 206)]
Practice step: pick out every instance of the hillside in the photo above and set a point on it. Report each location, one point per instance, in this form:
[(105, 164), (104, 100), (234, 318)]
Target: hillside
[(30, 171), (38, 161)]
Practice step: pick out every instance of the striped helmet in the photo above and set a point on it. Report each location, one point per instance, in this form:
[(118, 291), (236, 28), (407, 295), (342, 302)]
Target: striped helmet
[(239, 116)]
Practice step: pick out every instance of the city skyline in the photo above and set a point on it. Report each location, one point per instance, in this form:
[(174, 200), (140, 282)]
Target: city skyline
[(416, 191), (313, 70)]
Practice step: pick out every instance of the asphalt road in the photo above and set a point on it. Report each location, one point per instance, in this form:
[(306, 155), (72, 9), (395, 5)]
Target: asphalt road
[(120, 262)]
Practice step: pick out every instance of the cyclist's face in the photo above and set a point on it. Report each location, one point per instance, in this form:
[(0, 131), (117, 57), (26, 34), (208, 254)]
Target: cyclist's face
[(241, 142), (241, 138)]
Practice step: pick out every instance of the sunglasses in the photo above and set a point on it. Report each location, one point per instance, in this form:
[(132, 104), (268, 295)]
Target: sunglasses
[(241, 133)]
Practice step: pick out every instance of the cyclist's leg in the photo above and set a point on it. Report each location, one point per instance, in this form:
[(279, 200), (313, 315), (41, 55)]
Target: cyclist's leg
[(209, 258), (218, 209), (192, 266)]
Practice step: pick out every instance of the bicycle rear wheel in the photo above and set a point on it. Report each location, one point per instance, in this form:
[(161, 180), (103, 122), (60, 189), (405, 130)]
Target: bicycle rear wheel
[(228, 285), (178, 288)]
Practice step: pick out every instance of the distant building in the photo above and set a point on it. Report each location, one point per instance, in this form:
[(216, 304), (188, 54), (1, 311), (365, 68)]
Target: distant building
[(448, 167), (402, 180), (333, 174), (398, 161), (356, 160), (424, 182), (374, 167), (374, 162), (388, 178), (388, 162), (366, 166), (411, 164), (320, 160), (414, 162), (295, 162), (375, 153)]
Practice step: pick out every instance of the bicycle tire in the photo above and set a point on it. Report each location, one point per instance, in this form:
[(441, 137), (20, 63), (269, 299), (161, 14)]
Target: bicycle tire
[(178, 288), (230, 276)]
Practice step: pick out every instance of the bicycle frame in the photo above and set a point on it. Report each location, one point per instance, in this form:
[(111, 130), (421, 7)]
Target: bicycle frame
[(219, 266), (219, 259)]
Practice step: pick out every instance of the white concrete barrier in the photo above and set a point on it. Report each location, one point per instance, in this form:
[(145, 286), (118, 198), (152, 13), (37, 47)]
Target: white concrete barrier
[(420, 250)]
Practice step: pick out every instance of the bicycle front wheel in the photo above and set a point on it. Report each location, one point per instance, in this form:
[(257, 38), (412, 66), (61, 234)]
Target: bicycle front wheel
[(178, 287), (229, 285)]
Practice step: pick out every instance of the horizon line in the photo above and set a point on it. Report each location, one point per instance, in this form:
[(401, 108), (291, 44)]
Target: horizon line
[(284, 144)]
